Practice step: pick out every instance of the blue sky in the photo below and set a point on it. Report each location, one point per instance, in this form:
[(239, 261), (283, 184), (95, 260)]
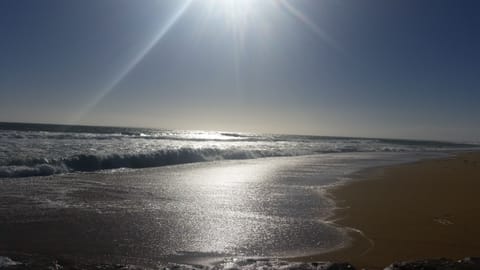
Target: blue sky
[(403, 69)]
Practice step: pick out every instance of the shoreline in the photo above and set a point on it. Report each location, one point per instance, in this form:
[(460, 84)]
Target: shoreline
[(410, 211), (341, 194)]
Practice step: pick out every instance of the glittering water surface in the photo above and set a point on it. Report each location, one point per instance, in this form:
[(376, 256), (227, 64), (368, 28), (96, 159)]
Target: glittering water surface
[(127, 194), (261, 207), (39, 150)]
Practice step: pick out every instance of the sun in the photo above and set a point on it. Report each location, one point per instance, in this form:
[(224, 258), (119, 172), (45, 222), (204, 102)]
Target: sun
[(234, 11)]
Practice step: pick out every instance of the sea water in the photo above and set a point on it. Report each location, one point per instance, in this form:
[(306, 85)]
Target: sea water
[(38, 149), (125, 194)]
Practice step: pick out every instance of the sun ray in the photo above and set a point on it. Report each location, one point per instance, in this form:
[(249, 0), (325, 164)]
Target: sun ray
[(135, 61), (311, 25), (236, 15)]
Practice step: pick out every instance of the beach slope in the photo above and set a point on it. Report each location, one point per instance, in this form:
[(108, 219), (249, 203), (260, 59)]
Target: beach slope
[(427, 209)]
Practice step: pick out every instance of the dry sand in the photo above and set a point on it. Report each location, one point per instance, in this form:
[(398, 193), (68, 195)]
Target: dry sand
[(427, 209)]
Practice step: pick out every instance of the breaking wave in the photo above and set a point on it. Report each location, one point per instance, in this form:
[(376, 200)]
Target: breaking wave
[(89, 163), (41, 150)]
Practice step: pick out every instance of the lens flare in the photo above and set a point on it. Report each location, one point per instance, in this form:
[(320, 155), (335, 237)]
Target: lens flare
[(135, 61), (238, 15), (309, 24), (235, 11)]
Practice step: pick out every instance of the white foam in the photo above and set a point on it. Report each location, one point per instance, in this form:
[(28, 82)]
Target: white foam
[(35, 153), (6, 262)]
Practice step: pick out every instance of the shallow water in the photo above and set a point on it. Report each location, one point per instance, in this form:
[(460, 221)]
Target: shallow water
[(262, 207)]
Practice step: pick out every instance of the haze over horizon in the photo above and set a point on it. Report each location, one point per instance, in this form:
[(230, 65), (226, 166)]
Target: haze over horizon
[(403, 69)]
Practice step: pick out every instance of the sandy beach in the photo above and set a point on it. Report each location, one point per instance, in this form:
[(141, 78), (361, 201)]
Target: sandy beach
[(426, 209)]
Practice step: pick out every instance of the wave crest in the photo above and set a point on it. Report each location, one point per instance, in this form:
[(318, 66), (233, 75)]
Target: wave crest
[(89, 163)]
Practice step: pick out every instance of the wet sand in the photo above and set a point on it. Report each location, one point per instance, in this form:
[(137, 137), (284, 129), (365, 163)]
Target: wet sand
[(427, 209), (189, 213)]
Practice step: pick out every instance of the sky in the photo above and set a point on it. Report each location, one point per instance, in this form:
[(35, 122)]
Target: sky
[(369, 68)]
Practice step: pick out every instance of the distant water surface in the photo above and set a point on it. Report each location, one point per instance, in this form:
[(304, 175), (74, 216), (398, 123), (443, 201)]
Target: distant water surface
[(39, 149)]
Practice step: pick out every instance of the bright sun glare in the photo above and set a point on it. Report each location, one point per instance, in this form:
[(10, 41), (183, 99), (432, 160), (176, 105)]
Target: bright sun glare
[(234, 11), (238, 16)]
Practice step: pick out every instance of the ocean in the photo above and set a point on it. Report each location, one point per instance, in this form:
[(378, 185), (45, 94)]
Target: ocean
[(123, 195)]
